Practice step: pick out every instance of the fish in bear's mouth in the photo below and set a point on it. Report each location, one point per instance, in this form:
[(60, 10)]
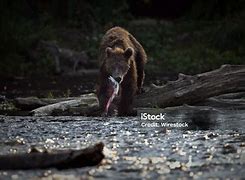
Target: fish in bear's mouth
[(113, 88)]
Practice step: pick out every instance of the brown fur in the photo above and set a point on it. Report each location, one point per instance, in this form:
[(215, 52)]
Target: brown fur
[(119, 49)]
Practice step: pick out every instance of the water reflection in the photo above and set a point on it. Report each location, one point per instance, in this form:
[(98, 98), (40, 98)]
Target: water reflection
[(212, 147)]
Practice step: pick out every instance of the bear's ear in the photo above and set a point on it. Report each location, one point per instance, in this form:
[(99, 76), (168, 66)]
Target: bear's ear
[(108, 51), (128, 52)]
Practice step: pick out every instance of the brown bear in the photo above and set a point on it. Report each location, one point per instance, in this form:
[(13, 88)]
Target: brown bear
[(123, 58)]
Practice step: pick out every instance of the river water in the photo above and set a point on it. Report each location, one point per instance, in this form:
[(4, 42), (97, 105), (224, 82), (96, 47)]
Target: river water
[(212, 146)]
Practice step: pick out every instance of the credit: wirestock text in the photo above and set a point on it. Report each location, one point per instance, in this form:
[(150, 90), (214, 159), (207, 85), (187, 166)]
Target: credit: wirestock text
[(168, 125)]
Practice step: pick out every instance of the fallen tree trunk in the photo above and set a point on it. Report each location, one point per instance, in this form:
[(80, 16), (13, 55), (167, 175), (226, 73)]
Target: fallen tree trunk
[(185, 90), (30, 103), (193, 89), (83, 104), (90, 156)]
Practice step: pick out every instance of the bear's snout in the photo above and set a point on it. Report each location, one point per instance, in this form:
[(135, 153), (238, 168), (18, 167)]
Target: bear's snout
[(118, 79)]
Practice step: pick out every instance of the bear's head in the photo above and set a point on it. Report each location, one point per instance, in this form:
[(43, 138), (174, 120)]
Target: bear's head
[(118, 62)]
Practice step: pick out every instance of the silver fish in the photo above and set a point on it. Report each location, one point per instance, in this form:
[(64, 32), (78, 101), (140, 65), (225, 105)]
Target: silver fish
[(115, 85)]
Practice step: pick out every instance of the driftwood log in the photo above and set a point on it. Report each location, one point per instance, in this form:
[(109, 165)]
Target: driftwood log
[(194, 89), (186, 90), (90, 156), (83, 105), (30, 103)]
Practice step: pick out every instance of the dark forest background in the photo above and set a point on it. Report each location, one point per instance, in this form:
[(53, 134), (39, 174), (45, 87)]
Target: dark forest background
[(188, 36)]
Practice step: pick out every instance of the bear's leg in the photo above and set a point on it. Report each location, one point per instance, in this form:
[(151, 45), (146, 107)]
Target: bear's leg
[(140, 76), (101, 94), (102, 89), (126, 101)]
